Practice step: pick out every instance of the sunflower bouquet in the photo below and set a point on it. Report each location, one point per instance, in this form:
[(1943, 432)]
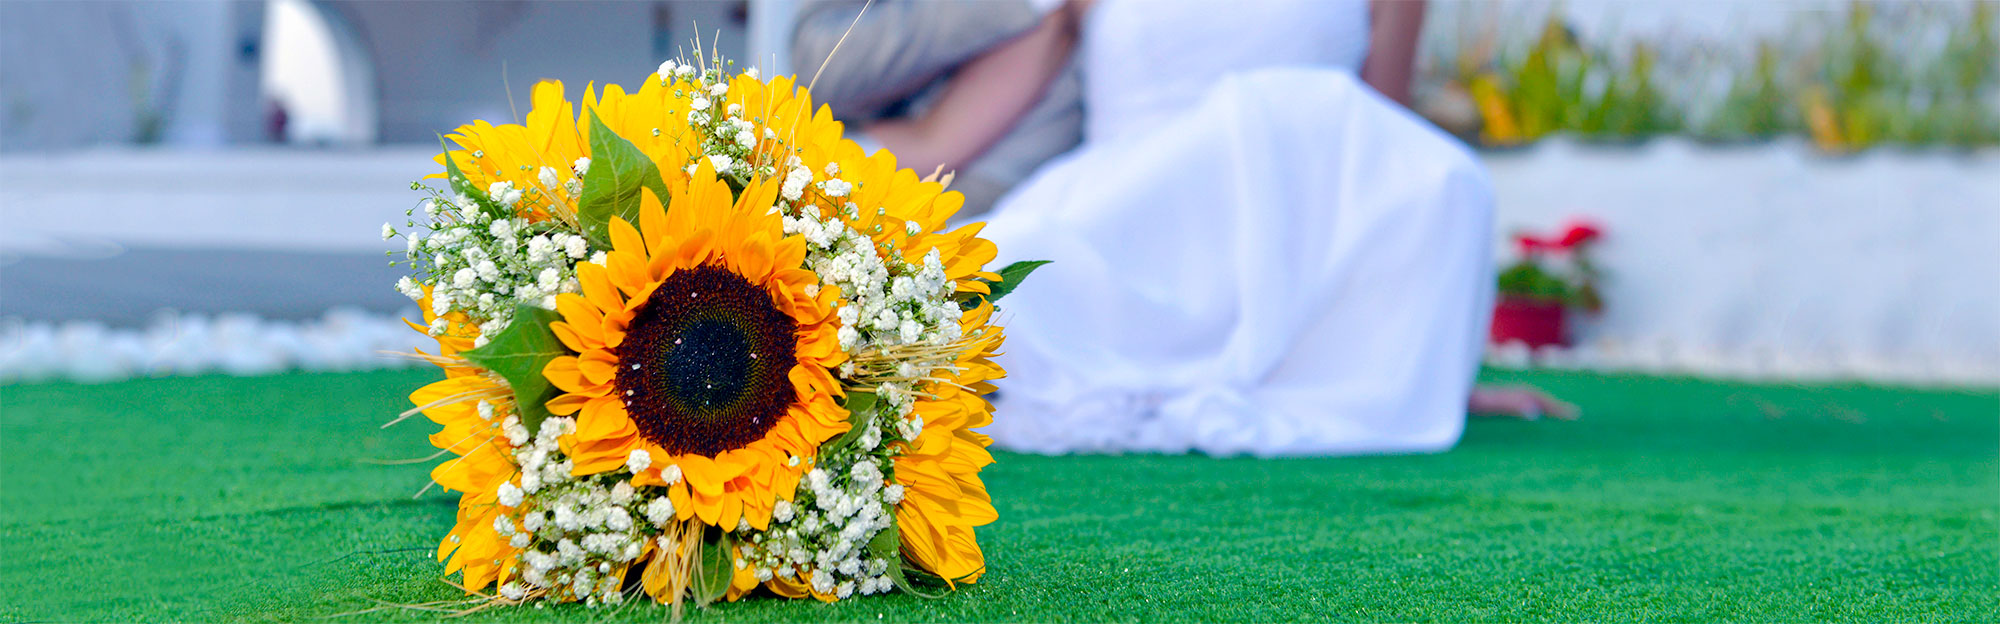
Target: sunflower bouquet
[(696, 343)]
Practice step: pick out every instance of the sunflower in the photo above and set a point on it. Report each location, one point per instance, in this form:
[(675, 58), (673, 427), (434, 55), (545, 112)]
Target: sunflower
[(701, 342), (653, 119), (476, 435), (708, 351), (945, 498)]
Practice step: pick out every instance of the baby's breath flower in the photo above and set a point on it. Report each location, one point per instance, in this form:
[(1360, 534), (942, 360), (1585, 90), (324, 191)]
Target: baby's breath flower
[(409, 288), (510, 495), (659, 511), (504, 193)]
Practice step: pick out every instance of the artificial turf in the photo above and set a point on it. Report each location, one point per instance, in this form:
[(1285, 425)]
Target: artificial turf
[(219, 498)]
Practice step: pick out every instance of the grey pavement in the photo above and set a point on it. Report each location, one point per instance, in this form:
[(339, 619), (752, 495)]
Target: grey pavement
[(125, 289)]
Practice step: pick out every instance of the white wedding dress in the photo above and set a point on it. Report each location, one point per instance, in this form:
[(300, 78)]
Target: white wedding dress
[(1254, 253)]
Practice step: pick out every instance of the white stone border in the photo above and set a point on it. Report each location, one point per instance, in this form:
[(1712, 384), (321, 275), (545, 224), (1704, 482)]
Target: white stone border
[(352, 340), (194, 344), (1759, 366)]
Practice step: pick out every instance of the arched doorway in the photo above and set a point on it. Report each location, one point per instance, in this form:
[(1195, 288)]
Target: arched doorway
[(318, 72)]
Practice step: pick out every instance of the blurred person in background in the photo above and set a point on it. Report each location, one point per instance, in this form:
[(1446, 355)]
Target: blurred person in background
[(1256, 248), (1004, 64)]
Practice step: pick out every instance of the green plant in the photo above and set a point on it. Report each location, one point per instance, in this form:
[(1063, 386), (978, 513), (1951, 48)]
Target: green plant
[(1526, 279), (1562, 85), (1555, 269), (1877, 73), (1757, 105)]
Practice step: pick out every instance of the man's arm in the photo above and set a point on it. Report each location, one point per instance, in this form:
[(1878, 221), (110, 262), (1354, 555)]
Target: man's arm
[(897, 47), (983, 100), (1392, 46)]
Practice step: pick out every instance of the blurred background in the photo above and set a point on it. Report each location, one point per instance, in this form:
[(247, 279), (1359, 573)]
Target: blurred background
[(1806, 189)]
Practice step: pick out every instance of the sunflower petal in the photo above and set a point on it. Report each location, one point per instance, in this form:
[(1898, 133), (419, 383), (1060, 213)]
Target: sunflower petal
[(564, 373), (628, 272), (652, 223), (583, 316), (626, 238), (570, 338), (567, 404), (598, 366), (595, 282)]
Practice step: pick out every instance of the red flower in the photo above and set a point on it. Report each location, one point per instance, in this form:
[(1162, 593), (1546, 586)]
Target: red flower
[(1580, 232), (1530, 245)]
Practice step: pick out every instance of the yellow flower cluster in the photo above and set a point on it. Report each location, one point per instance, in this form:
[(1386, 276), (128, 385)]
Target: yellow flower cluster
[(702, 365)]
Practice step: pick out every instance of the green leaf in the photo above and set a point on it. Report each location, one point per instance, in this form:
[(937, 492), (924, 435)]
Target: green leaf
[(451, 172), (611, 187), (717, 568), (860, 406), (1010, 278), (463, 185), (518, 354), (918, 575), (887, 545)]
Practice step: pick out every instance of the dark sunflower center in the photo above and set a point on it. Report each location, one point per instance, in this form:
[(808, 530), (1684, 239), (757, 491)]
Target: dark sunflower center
[(705, 364)]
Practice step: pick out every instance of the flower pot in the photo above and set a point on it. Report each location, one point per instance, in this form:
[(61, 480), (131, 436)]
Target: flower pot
[(1534, 322)]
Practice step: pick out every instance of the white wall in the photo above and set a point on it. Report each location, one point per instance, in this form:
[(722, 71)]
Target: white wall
[(1778, 260), (75, 74), (84, 203)]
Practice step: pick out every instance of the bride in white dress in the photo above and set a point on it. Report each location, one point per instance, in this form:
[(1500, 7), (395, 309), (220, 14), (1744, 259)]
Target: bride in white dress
[(1254, 252)]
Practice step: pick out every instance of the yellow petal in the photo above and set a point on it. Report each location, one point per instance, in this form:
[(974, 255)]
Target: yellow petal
[(595, 282), (626, 238)]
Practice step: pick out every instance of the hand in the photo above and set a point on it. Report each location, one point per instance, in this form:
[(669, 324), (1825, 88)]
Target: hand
[(1518, 402)]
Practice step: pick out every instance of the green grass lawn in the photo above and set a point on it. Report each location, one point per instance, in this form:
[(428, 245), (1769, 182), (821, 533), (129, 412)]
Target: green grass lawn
[(222, 498)]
